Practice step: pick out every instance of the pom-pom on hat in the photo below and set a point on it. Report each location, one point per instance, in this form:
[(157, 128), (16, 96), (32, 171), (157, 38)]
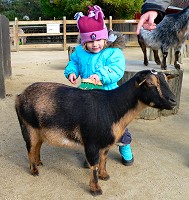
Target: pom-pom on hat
[(91, 27)]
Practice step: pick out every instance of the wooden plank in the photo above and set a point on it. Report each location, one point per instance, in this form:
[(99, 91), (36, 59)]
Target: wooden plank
[(132, 21), (71, 22), (64, 32), (2, 76), (38, 34), (72, 33), (132, 44), (40, 22), (129, 33), (16, 38), (6, 47), (41, 46)]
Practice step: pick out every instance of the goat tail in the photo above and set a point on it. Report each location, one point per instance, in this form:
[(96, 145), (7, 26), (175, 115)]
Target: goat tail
[(24, 130)]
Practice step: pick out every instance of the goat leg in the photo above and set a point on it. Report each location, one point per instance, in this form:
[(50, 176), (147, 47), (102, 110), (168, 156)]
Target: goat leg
[(176, 62), (103, 175), (156, 57), (145, 55), (33, 165), (38, 148), (163, 63), (94, 186), (34, 153), (92, 155), (143, 47)]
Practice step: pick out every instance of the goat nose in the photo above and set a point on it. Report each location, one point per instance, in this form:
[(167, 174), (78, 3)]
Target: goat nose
[(173, 101)]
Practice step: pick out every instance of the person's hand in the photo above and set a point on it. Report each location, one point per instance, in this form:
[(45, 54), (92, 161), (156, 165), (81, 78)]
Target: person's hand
[(72, 78), (147, 21), (95, 78)]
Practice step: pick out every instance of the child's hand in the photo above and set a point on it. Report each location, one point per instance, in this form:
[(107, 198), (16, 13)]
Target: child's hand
[(95, 78), (72, 78)]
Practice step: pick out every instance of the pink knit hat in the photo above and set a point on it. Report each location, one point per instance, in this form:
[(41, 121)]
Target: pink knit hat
[(91, 27)]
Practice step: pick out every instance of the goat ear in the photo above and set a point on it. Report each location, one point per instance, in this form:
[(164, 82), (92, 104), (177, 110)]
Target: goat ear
[(171, 76), (137, 85)]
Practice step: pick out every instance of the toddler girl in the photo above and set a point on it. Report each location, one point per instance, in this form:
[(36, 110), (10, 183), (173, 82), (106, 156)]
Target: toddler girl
[(99, 62)]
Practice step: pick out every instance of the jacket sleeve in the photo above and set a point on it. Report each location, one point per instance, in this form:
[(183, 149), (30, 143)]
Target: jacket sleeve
[(114, 69), (158, 5), (72, 66)]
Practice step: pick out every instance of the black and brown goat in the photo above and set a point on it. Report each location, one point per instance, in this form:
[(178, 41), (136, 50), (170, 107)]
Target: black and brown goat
[(64, 116), (171, 32)]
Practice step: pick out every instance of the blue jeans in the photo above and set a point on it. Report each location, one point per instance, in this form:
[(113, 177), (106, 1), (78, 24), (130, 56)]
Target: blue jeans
[(126, 138)]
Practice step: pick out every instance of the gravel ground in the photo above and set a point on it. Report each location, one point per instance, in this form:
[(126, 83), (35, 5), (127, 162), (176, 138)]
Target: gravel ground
[(160, 147)]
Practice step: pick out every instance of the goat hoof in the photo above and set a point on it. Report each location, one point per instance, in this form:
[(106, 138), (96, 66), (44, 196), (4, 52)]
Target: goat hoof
[(158, 62), (145, 63), (177, 66), (39, 163), (35, 173), (96, 193), (34, 170), (163, 67), (104, 178)]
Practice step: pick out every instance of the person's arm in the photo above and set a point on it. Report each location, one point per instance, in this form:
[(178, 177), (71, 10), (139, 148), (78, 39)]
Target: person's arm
[(153, 12), (157, 5), (72, 66)]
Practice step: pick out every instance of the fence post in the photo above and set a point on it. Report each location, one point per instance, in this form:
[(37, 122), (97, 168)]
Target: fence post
[(110, 22), (2, 77), (64, 32), (6, 47), (16, 38), (5, 64)]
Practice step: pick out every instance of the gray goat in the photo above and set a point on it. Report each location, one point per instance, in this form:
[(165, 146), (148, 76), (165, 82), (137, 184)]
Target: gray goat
[(171, 32)]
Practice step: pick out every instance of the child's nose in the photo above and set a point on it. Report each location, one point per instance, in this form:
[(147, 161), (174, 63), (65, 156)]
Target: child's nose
[(95, 43)]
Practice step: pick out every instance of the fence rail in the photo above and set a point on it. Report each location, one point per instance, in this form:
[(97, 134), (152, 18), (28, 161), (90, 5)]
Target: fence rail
[(27, 35), (23, 39)]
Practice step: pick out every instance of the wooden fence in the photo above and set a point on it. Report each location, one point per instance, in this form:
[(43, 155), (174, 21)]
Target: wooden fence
[(5, 58), (59, 28)]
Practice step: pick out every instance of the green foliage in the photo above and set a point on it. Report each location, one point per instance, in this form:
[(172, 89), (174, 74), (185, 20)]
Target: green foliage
[(55, 9), (121, 9), (118, 9), (21, 8), (48, 9)]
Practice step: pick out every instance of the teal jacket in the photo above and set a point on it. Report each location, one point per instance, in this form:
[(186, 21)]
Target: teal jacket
[(109, 64)]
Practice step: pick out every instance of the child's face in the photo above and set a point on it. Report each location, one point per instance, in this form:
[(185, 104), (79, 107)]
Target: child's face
[(95, 46)]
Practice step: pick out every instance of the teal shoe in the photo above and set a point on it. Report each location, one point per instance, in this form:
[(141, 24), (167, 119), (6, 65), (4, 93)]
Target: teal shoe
[(127, 162), (127, 156)]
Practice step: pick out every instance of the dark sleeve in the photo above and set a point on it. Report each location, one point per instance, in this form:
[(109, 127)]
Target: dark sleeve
[(157, 5)]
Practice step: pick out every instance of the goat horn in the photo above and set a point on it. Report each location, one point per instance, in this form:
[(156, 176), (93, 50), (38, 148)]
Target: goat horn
[(142, 82), (139, 84)]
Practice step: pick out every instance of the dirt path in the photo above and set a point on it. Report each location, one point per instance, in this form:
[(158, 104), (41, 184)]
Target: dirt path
[(160, 147)]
